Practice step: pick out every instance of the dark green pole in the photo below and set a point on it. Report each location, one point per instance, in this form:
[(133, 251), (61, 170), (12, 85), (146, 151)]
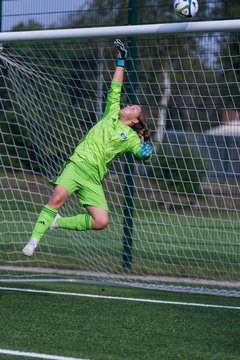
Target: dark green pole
[(129, 167), (1, 15)]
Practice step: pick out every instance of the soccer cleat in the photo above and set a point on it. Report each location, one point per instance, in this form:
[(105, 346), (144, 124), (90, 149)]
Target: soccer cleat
[(28, 250), (54, 224)]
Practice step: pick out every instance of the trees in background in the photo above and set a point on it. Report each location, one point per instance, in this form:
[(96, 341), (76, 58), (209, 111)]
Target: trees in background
[(186, 100)]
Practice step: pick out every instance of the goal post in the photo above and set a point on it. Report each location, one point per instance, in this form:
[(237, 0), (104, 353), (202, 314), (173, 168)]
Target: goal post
[(127, 30), (185, 205)]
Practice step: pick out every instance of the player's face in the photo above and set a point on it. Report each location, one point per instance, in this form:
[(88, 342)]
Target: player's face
[(131, 111)]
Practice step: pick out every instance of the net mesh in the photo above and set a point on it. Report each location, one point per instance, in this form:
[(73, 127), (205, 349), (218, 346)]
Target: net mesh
[(175, 219)]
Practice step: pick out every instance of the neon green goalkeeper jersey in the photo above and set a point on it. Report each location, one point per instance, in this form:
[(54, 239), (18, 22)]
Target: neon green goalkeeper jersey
[(108, 139)]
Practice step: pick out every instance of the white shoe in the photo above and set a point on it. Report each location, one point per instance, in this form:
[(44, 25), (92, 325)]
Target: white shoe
[(28, 250), (54, 224)]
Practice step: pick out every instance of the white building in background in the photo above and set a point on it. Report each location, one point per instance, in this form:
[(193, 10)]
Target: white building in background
[(230, 124), (232, 128)]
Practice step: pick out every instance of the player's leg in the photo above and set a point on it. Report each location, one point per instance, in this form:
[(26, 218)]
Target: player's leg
[(65, 185), (45, 219), (99, 217), (95, 219), (92, 197)]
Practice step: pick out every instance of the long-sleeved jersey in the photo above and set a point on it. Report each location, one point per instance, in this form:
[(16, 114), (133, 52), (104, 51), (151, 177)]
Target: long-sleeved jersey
[(109, 138)]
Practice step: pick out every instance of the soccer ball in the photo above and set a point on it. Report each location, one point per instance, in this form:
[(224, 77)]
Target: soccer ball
[(186, 8)]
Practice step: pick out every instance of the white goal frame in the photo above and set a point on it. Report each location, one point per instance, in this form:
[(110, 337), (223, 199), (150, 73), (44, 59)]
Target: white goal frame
[(130, 30), (136, 30)]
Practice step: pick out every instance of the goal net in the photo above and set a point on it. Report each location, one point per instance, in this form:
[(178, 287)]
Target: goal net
[(173, 222)]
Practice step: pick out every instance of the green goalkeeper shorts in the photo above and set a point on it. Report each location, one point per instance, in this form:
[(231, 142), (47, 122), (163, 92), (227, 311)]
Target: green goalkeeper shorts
[(81, 180)]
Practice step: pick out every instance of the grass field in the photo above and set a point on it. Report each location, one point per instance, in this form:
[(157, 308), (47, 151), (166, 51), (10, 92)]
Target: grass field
[(174, 245), (203, 243), (65, 321), (99, 322)]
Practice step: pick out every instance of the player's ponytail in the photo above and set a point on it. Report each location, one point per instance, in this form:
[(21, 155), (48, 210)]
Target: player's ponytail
[(141, 127)]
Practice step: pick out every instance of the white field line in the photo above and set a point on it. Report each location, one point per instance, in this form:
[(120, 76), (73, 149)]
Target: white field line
[(103, 275), (36, 355), (153, 301)]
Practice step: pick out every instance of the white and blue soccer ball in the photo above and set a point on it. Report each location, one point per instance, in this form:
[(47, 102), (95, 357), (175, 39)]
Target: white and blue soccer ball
[(186, 8)]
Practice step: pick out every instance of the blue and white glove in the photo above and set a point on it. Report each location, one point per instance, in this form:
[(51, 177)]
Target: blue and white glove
[(146, 150), (122, 53)]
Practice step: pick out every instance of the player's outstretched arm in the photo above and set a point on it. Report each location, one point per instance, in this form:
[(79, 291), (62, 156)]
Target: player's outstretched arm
[(121, 60), (114, 93)]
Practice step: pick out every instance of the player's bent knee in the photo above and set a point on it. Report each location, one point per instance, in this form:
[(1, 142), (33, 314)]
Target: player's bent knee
[(100, 223), (56, 201), (58, 197)]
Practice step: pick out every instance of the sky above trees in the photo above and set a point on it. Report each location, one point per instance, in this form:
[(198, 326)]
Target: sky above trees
[(59, 13)]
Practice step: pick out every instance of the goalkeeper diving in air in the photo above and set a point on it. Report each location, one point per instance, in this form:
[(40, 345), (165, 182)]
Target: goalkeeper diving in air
[(118, 131)]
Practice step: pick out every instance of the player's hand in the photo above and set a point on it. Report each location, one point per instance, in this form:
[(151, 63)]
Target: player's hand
[(122, 52), (146, 150)]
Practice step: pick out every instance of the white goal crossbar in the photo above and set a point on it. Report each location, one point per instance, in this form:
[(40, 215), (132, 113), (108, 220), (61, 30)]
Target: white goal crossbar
[(129, 30)]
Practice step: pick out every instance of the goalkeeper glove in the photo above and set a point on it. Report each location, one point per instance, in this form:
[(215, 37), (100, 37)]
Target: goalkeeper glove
[(122, 53), (146, 150)]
